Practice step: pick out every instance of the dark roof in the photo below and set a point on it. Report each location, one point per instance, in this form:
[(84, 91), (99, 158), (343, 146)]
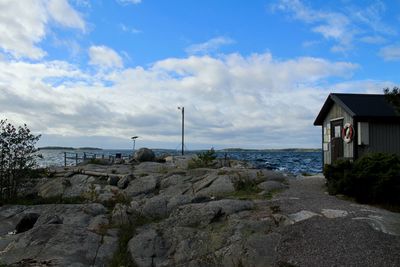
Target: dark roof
[(361, 106)]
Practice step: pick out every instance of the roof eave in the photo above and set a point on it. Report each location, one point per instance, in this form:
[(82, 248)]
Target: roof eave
[(332, 98), (338, 101)]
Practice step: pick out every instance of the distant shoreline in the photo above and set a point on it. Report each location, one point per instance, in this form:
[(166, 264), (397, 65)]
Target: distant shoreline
[(194, 150), (271, 150), (68, 148)]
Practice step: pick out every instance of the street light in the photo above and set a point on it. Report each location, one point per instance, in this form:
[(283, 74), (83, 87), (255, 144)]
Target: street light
[(183, 126), (134, 141)]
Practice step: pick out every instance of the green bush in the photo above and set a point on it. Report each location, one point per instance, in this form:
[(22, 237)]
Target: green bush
[(17, 159), (374, 178), (203, 160), (338, 176)]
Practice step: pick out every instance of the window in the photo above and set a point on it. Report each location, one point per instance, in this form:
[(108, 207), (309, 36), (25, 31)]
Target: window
[(338, 131)]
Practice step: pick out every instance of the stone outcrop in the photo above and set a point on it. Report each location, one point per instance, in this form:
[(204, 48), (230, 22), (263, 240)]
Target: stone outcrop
[(145, 154), (56, 234), (191, 217), (227, 216)]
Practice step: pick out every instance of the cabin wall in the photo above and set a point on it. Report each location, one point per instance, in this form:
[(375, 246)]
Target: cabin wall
[(383, 137), (336, 112)]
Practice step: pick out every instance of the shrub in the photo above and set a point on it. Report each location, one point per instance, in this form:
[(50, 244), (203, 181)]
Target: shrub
[(203, 160), (244, 183), (374, 178), (17, 159), (338, 177), (377, 178)]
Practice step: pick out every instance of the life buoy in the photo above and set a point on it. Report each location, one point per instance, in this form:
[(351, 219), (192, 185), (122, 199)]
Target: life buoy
[(347, 133)]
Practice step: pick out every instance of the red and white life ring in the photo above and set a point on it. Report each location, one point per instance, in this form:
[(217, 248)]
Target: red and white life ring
[(347, 133)]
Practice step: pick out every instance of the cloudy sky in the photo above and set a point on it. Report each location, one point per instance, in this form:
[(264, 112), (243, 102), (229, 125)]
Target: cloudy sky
[(251, 74)]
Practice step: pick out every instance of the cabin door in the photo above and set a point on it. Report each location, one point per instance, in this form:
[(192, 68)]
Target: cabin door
[(336, 140)]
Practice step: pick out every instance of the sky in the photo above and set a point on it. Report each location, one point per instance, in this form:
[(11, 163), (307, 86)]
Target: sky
[(250, 74)]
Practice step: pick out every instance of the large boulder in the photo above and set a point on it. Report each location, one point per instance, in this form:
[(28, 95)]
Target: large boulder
[(145, 154)]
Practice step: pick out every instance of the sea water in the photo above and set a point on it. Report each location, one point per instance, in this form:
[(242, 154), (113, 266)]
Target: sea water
[(287, 161)]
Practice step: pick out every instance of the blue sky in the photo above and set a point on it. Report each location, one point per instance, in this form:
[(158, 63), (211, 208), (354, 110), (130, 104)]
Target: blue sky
[(250, 73)]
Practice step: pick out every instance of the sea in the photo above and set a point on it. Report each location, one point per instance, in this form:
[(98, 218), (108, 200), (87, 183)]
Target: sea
[(292, 162)]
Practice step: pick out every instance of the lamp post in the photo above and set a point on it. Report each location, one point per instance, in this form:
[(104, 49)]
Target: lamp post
[(134, 141), (183, 127)]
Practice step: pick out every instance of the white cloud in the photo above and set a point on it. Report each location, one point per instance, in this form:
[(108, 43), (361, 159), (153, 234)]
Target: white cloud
[(372, 17), (64, 14), (126, 2), (104, 57), (232, 100), (331, 25), (129, 29), (209, 46), (345, 27), (373, 39), (390, 53), (24, 24)]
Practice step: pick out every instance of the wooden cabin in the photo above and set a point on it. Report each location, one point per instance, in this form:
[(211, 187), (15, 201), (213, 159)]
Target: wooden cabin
[(356, 124)]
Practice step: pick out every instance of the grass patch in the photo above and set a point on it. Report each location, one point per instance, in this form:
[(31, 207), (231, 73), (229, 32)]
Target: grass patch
[(245, 189), (245, 184), (117, 198), (243, 195), (272, 193), (121, 256), (222, 172), (163, 170)]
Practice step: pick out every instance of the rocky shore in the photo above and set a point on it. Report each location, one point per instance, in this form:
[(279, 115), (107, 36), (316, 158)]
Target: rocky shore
[(167, 214)]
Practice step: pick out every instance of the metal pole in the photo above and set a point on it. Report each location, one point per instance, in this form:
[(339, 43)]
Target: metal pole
[(65, 159), (183, 129), (134, 143)]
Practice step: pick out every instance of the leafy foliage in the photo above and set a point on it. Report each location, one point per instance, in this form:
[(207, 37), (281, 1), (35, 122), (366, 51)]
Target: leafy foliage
[(393, 96), (17, 147), (374, 178), (204, 159)]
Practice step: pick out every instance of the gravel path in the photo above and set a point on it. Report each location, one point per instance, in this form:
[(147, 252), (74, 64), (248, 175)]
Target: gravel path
[(328, 231)]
